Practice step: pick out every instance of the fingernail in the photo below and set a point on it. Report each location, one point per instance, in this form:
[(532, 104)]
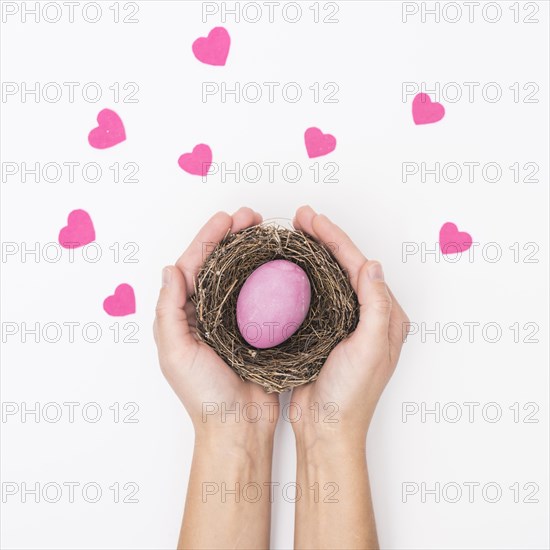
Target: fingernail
[(166, 276), (375, 272)]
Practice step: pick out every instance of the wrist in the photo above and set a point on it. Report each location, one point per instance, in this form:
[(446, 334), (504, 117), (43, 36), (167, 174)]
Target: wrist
[(239, 420), (322, 445), (243, 442), (320, 437)]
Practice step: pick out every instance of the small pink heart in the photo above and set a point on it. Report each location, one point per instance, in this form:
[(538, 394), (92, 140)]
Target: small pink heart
[(109, 132), (122, 302), (79, 230), (453, 241), (198, 162), (426, 112), (213, 49), (317, 143)]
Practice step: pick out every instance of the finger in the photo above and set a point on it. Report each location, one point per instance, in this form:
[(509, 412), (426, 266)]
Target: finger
[(339, 243), (321, 228), (400, 316), (172, 333), (303, 220), (372, 332), (191, 313), (207, 238), (399, 329), (350, 258), (244, 217)]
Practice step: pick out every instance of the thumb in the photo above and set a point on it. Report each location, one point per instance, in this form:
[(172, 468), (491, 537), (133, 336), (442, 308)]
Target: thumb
[(173, 337), (375, 308)]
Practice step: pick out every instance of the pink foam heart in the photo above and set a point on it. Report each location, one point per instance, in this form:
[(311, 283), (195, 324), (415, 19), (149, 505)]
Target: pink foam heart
[(109, 131), (317, 143), (79, 230), (198, 162), (122, 302), (425, 111), (213, 49), (453, 241)]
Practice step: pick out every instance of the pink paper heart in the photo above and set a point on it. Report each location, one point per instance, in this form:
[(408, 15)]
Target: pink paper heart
[(79, 230), (453, 241), (122, 302), (425, 111), (198, 162), (317, 143), (109, 131), (213, 49)]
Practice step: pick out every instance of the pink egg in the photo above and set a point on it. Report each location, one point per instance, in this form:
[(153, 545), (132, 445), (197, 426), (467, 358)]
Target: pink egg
[(273, 303)]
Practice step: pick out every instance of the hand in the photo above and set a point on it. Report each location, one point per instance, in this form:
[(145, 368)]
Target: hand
[(201, 379), (358, 368), (331, 455), (229, 450)]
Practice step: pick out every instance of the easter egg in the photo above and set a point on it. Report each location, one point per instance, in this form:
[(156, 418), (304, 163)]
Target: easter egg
[(273, 303)]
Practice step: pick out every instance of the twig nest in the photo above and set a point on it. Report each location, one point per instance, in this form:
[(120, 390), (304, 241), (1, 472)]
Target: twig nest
[(333, 313)]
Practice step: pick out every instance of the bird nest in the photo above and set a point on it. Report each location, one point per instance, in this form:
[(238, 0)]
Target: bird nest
[(332, 316)]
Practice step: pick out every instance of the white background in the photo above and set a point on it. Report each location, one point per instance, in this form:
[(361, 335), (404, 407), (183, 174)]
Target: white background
[(369, 53)]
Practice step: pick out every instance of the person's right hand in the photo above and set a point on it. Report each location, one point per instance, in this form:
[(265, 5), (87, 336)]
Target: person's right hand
[(336, 409), (355, 373)]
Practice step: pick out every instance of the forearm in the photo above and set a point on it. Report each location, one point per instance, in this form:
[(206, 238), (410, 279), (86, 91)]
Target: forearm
[(329, 519), (228, 497)]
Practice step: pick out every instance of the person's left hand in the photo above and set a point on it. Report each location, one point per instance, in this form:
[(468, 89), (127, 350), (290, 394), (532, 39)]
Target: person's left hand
[(208, 388)]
